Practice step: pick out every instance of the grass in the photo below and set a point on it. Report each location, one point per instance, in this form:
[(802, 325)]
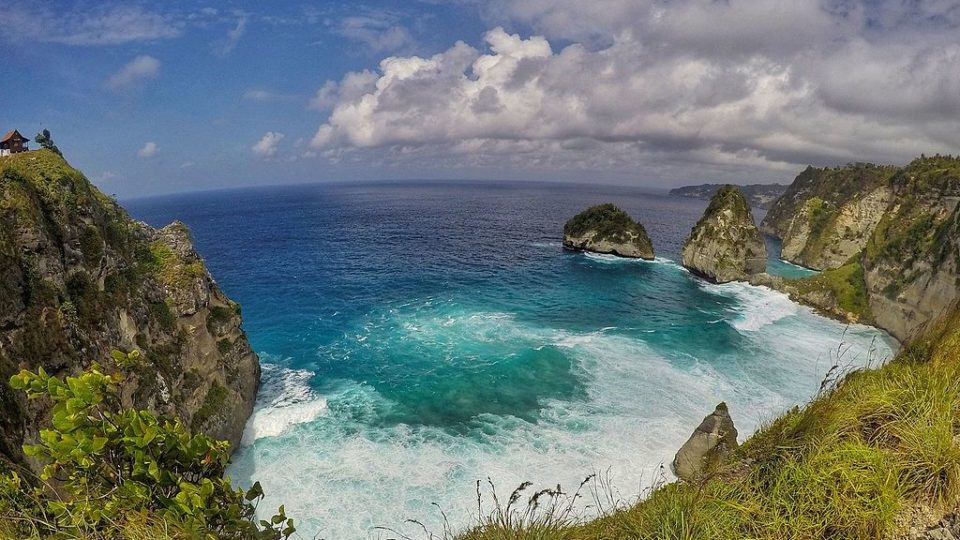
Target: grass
[(851, 464), (171, 269), (846, 284)]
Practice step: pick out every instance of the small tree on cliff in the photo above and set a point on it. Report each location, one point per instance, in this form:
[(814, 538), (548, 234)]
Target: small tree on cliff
[(104, 463), (46, 141)]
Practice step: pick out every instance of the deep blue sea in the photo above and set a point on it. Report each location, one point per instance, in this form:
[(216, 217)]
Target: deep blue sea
[(418, 337)]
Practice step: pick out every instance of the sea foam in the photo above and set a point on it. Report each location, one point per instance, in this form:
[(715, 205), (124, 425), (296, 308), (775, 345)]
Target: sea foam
[(284, 400), (344, 473)]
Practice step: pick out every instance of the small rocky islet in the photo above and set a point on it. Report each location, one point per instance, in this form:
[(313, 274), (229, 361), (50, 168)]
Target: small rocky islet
[(607, 229)]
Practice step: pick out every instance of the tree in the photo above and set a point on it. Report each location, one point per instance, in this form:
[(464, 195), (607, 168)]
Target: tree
[(46, 141), (104, 463)]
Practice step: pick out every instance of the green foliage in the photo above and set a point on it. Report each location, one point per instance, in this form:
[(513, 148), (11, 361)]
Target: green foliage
[(607, 222), (170, 268), (46, 141), (110, 462), (846, 284), (212, 405)]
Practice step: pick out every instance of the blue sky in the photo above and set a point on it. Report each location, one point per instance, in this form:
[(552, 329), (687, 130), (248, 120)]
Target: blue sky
[(159, 97)]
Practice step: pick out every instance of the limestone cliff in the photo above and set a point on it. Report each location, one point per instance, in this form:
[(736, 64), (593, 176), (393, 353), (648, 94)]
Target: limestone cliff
[(79, 277), (900, 234), (725, 245), (912, 261), (607, 229), (827, 215)]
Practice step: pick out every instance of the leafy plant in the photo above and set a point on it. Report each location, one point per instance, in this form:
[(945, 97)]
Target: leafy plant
[(104, 462)]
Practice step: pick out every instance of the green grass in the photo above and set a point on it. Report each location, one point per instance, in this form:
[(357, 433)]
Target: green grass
[(871, 447), (846, 284), (171, 269)]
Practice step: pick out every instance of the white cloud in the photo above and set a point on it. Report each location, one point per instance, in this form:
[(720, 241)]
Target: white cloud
[(267, 146), (233, 37), (378, 31), (139, 69), (148, 150), (98, 25), (754, 87)]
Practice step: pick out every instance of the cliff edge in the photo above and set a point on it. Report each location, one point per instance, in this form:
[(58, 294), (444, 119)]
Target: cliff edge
[(79, 278)]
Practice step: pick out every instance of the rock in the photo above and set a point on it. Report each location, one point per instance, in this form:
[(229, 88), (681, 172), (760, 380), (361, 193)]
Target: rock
[(607, 229), (725, 245), (79, 278), (827, 215), (713, 439), (890, 236)]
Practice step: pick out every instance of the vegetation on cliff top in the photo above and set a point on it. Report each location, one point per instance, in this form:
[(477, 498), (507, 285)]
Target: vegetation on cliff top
[(832, 186), (923, 225), (608, 223)]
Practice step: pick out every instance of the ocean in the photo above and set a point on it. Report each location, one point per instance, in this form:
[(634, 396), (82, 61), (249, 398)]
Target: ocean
[(417, 337)]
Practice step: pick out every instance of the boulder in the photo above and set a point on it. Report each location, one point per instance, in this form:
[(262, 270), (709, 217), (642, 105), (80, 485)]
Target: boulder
[(713, 439), (607, 229), (725, 245)]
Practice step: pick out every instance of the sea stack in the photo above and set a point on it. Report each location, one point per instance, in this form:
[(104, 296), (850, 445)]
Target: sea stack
[(725, 245), (607, 229), (713, 439)]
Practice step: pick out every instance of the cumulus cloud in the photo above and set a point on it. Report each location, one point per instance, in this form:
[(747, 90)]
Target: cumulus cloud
[(268, 145), (139, 69), (148, 150), (753, 87)]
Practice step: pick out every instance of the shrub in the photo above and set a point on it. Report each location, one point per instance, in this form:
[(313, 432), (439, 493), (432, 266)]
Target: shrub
[(111, 464)]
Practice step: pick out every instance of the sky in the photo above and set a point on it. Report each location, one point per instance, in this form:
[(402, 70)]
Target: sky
[(161, 97)]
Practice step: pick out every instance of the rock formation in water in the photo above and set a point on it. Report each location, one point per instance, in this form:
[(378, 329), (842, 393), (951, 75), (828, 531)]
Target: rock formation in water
[(79, 278), (889, 239), (725, 245), (607, 229), (713, 440)]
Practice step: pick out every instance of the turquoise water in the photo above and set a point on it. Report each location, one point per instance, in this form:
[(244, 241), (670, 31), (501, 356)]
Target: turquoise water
[(779, 267), (417, 338)]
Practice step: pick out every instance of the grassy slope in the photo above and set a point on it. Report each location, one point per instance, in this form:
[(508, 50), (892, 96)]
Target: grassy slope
[(851, 464)]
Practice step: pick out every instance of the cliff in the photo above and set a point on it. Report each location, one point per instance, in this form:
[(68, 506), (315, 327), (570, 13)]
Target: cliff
[(912, 261), (888, 237), (725, 244), (79, 278), (826, 216), (758, 195), (607, 229)]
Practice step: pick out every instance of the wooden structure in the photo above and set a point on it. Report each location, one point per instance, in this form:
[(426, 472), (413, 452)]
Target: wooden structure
[(12, 143)]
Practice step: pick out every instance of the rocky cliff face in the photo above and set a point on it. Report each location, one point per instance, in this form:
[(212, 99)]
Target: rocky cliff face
[(79, 277), (912, 261), (607, 229), (890, 239), (725, 245), (827, 215)]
